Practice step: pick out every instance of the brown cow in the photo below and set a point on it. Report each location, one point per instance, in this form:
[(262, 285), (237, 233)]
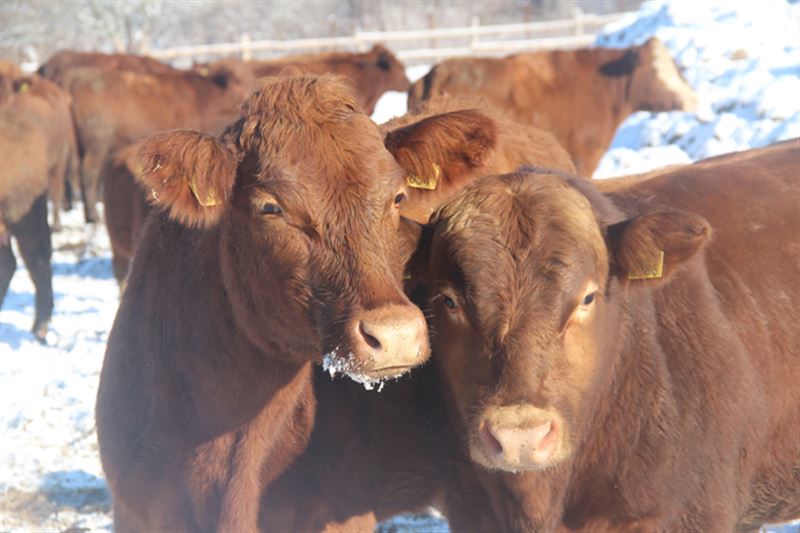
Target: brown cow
[(274, 245), (115, 108), (581, 96), (372, 73), (370, 457), (58, 67), (628, 360), (38, 150), (459, 136)]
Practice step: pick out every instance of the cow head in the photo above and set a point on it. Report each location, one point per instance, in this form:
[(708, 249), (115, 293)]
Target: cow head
[(392, 69), (657, 84), (531, 274), (305, 201)]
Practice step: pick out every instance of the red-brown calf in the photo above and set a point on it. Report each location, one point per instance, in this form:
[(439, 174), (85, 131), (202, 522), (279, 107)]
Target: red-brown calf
[(629, 360)]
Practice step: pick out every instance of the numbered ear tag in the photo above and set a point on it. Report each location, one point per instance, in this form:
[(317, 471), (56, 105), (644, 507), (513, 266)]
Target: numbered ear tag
[(211, 197), (653, 271), (422, 182)]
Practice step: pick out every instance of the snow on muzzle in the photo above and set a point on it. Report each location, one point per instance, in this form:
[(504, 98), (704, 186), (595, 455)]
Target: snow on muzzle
[(383, 343)]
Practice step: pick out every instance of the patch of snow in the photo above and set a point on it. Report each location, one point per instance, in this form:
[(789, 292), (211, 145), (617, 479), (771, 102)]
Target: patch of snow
[(743, 60), (391, 104)]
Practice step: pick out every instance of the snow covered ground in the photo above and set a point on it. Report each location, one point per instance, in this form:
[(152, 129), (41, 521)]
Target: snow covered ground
[(742, 57)]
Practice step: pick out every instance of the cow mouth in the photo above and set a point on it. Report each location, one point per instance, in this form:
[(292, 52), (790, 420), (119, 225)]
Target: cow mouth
[(335, 363)]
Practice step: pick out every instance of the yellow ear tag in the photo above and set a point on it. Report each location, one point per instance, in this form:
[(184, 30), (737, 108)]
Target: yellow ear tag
[(654, 271), (24, 87), (211, 197), (418, 182), (406, 276), (203, 71)]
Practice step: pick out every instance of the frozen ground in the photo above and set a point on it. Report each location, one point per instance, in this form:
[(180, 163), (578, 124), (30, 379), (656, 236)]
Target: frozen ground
[(742, 57)]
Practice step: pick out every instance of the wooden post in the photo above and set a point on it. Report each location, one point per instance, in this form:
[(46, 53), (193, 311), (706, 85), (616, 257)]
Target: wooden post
[(577, 14), (431, 23), (332, 27), (246, 52), (528, 18), (361, 45), (475, 37)]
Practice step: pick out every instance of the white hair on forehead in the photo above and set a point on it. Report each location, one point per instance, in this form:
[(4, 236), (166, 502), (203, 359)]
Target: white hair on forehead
[(667, 73)]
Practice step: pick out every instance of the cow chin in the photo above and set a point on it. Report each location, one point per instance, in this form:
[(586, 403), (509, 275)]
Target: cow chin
[(381, 343), (519, 438)]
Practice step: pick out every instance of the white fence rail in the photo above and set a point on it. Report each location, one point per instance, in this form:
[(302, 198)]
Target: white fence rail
[(573, 33)]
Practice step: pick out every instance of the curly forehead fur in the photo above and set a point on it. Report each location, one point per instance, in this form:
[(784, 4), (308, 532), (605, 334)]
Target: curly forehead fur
[(511, 209), (290, 117)]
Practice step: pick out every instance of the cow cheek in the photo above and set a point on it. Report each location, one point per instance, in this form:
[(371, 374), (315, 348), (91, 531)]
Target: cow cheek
[(265, 274), (580, 367), (464, 369)]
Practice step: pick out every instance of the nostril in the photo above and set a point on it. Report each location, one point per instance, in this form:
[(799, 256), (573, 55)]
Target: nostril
[(371, 341), (490, 441)]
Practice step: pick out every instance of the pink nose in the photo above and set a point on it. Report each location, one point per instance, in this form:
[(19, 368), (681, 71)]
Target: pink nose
[(389, 340), (518, 437)]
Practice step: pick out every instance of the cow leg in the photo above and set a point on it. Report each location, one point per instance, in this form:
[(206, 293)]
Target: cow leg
[(56, 193), (91, 167), (8, 264), (120, 265), (33, 238)]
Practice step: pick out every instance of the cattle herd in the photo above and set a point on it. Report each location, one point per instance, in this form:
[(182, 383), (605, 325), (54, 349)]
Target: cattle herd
[(614, 355)]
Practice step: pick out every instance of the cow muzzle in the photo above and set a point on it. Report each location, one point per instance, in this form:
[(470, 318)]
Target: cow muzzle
[(384, 343), (518, 438)]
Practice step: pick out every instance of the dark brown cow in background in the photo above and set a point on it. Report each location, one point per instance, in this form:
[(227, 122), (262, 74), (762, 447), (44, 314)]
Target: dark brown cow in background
[(125, 208), (372, 73), (581, 96), (113, 109), (58, 67), (656, 387), (38, 151)]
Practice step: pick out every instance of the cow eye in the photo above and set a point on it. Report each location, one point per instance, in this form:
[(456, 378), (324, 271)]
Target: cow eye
[(270, 208), (400, 198), (449, 302), (589, 298)]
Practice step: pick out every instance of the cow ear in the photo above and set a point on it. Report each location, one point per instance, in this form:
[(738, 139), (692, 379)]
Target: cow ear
[(187, 173), (653, 246), (443, 148)]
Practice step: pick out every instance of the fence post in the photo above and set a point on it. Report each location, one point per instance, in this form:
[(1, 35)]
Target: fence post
[(332, 27), (577, 14), (246, 52), (361, 45), (474, 26), (431, 23)]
